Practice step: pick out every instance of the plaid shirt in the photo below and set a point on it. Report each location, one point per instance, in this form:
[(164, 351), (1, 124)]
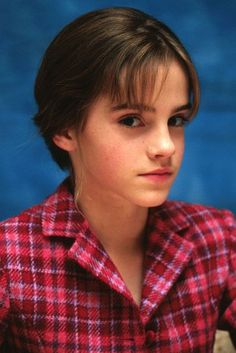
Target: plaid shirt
[(61, 293)]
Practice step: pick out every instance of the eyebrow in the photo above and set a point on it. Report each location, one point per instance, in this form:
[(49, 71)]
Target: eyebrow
[(147, 108)]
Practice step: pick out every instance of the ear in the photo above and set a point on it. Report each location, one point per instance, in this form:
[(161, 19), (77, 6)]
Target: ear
[(67, 140)]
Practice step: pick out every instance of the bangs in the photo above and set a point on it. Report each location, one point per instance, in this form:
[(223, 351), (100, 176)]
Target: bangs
[(134, 81)]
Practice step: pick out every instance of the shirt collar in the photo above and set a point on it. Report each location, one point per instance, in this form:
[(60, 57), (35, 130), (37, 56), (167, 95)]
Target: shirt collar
[(60, 217), (168, 217), (168, 252)]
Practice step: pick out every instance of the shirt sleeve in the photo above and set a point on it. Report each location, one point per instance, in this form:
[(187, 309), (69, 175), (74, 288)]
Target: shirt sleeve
[(228, 311), (4, 305)]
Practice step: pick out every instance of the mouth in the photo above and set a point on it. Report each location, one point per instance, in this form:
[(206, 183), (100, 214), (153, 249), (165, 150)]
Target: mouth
[(159, 175)]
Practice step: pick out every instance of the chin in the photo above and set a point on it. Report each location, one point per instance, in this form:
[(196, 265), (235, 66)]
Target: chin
[(153, 201)]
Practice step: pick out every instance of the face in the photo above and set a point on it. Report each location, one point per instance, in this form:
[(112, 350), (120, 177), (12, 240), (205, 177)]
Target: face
[(132, 154)]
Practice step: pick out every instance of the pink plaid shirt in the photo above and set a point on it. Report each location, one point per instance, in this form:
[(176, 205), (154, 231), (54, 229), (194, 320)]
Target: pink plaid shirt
[(61, 293)]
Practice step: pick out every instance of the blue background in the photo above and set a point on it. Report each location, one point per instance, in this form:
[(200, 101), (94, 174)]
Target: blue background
[(206, 27)]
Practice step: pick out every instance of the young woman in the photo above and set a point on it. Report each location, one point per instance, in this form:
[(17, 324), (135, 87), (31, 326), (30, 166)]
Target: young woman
[(106, 263)]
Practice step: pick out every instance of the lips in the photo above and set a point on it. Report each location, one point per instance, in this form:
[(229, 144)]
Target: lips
[(158, 176), (160, 171)]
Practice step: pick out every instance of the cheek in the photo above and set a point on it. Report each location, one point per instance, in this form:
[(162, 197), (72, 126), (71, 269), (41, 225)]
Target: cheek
[(105, 159)]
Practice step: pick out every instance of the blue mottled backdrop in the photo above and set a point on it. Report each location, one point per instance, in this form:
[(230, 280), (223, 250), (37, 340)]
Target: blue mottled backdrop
[(208, 29)]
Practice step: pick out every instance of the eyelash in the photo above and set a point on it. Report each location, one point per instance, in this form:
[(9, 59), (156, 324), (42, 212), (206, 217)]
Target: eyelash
[(183, 121), (171, 122), (129, 117)]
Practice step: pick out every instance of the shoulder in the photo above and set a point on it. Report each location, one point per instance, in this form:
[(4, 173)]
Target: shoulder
[(199, 224), (199, 215), (30, 221), (30, 233), (15, 236), (211, 232), (23, 220)]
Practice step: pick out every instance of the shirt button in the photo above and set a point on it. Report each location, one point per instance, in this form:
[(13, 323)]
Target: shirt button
[(150, 337)]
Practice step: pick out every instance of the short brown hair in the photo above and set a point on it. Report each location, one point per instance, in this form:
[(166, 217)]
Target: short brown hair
[(86, 59)]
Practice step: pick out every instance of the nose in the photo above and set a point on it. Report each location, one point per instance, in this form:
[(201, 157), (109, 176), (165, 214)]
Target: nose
[(160, 144)]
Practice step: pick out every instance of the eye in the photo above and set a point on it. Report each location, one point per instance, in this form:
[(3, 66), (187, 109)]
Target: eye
[(131, 121), (178, 121)]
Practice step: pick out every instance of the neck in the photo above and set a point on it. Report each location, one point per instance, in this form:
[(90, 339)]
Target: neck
[(119, 228)]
